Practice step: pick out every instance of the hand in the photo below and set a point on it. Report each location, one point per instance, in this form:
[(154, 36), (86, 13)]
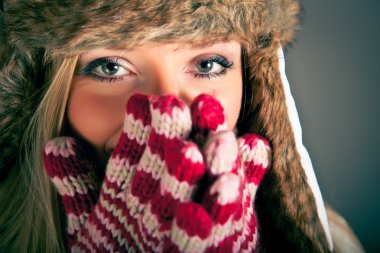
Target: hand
[(224, 220), (144, 187)]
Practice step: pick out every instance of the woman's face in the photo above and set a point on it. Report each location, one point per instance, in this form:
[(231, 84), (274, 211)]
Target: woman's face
[(106, 79)]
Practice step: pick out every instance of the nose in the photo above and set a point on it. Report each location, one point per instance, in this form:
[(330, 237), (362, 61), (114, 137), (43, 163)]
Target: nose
[(167, 82)]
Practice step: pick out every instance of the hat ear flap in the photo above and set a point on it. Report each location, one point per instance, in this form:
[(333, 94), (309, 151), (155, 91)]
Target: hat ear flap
[(289, 204), (20, 81)]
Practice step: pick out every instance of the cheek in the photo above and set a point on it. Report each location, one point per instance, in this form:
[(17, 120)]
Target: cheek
[(94, 117), (232, 104)]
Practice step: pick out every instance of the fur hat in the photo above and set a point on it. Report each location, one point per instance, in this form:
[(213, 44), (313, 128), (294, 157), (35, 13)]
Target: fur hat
[(290, 208)]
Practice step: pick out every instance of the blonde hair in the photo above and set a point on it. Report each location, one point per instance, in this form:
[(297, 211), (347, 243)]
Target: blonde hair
[(30, 215)]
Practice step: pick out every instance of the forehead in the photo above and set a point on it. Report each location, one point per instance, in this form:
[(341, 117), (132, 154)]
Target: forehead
[(162, 48), (185, 42), (176, 47)]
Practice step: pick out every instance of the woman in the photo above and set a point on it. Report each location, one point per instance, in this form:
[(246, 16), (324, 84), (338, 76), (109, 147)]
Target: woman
[(49, 50)]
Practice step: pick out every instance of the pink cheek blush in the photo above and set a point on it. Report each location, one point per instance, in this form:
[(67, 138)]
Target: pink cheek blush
[(95, 118)]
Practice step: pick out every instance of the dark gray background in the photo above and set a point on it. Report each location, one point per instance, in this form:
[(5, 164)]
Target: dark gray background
[(334, 73)]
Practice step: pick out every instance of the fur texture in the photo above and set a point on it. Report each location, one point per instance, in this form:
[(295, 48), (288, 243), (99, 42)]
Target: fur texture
[(344, 238), (86, 24), (285, 188), (35, 28)]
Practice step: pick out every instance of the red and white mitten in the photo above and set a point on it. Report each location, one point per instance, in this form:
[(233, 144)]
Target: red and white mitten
[(225, 219), (147, 201), (217, 215)]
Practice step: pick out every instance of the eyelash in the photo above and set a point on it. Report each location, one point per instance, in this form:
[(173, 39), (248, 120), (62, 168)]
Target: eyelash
[(89, 69), (221, 61)]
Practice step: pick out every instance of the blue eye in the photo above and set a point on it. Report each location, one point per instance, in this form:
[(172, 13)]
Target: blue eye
[(107, 69), (212, 67), (110, 68), (205, 66)]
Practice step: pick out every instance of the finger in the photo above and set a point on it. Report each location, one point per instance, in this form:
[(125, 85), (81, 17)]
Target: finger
[(184, 169), (255, 153), (74, 178), (221, 153), (207, 115), (132, 142), (170, 120)]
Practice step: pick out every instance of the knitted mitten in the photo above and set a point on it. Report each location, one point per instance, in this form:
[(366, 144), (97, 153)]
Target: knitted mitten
[(150, 181), (224, 220)]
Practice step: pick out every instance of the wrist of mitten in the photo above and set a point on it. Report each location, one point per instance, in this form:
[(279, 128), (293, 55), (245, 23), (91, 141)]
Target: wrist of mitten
[(74, 178)]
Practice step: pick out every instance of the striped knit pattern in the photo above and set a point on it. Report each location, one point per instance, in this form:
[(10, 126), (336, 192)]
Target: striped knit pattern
[(146, 202)]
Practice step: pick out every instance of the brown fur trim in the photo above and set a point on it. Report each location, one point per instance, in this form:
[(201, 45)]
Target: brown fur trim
[(20, 83), (285, 203), (67, 26)]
